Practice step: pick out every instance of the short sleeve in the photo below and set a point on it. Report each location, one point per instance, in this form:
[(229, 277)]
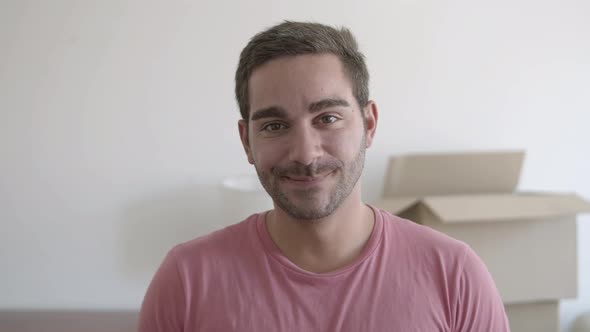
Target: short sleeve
[(478, 303), (163, 307)]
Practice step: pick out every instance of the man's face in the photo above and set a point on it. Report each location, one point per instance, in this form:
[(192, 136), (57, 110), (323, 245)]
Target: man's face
[(305, 135)]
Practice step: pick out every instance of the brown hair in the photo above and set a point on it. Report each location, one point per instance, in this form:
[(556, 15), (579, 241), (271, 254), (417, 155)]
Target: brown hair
[(297, 38)]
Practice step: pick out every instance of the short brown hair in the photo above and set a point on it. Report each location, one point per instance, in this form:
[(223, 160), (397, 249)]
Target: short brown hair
[(297, 38)]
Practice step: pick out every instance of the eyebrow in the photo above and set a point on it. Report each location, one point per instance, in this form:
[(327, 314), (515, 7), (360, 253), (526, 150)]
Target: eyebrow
[(279, 112), (327, 103), (269, 112)]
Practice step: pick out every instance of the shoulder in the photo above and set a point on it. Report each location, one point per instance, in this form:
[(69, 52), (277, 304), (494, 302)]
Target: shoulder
[(223, 242), (467, 286), (185, 270), (422, 240), (425, 241)]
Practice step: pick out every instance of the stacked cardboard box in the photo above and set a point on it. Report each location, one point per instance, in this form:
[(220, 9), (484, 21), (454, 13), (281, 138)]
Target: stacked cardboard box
[(527, 240)]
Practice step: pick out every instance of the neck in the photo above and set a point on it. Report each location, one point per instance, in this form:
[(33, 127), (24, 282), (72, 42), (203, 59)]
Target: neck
[(325, 244)]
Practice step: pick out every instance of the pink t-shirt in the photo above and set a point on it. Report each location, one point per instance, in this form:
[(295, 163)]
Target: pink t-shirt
[(408, 278)]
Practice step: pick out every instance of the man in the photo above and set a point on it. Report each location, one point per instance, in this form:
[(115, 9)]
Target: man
[(321, 260)]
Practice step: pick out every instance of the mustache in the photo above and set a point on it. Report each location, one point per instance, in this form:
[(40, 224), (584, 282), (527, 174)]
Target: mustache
[(298, 169)]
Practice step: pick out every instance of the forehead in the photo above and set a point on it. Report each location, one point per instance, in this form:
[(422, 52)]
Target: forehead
[(293, 81)]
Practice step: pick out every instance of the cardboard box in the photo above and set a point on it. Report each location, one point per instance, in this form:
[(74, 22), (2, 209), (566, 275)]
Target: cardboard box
[(458, 173), (533, 317), (527, 240)]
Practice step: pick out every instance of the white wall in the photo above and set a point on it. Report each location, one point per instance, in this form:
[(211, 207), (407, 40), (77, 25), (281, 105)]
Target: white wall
[(118, 120)]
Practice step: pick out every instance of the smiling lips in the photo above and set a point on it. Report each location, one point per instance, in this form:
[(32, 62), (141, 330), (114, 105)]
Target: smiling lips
[(306, 179)]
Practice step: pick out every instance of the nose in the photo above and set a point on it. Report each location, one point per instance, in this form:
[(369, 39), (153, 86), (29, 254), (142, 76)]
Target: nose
[(305, 145)]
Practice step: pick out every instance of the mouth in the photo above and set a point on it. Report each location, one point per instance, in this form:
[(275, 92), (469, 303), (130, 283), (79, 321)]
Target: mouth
[(305, 180)]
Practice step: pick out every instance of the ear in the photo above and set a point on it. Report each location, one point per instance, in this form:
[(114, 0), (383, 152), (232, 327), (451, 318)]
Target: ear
[(371, 118), (243, 129)]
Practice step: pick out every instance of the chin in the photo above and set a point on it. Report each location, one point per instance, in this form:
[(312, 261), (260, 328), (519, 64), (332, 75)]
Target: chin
[(308, 211)]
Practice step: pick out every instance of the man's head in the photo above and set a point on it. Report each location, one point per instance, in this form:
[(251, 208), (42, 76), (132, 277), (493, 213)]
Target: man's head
[(303, 128), (297, 38)]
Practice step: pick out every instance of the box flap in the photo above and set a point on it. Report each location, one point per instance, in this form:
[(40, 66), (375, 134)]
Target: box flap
[(397, 205), (447, 174), (503, 207)]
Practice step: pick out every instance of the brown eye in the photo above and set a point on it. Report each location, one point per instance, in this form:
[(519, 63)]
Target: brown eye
[(274, 126), (328, 119)]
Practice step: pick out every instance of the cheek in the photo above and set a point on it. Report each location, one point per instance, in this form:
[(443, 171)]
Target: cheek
[(267, 155), (344, 146)]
